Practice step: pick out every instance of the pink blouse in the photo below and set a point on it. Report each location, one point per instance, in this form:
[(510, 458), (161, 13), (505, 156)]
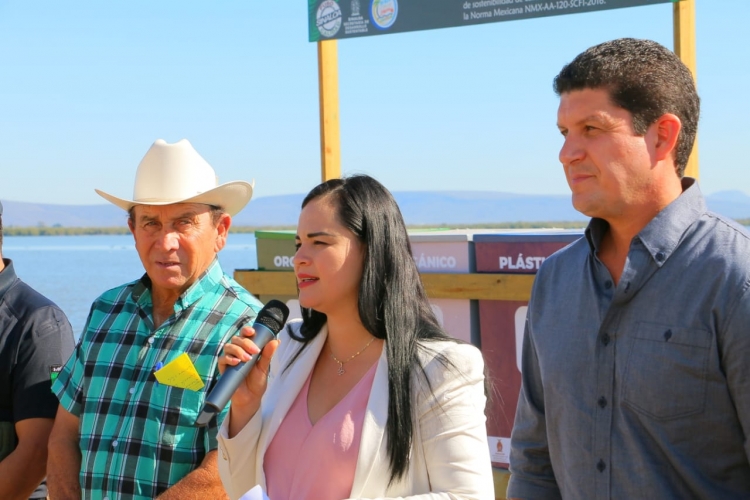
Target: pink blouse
[(317, 461)]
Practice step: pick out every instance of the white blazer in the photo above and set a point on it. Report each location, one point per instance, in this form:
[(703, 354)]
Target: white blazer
[(449, 459)]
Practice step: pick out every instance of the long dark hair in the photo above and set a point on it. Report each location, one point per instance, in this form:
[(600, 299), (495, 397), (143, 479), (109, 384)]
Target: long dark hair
[(392, 302)]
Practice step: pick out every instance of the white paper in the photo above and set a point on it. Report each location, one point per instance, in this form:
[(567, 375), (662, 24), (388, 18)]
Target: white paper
[(256, 493)]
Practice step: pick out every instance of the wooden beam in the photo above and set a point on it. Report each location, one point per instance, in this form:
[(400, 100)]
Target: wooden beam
[(478, 286), (328, 88), (266, 282), (683, 13), (438, 286)]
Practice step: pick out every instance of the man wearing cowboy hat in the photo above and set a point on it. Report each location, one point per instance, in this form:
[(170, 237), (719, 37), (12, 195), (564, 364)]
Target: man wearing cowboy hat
[(121, 433)]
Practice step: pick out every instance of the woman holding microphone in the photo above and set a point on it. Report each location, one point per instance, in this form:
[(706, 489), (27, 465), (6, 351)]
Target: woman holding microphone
[(366, 397)]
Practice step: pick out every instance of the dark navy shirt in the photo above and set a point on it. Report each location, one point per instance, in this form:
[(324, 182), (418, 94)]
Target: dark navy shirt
[(35, 342), (639, 390)]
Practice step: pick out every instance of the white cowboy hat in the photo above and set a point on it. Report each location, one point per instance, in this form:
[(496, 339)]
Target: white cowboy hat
[(176, 173)]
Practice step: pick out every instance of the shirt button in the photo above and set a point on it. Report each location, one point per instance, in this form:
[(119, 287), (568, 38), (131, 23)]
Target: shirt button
[(608, 284), (605, 339), (600, 466), (131, 390), (602, 402), (114, 444), (105, 498), (660, 256), (151, 340)]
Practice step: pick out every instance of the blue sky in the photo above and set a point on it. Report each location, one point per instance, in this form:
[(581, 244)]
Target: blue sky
[(87, 86)]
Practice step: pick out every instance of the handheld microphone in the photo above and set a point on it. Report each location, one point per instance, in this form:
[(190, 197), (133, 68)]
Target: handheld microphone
[(267, 325)]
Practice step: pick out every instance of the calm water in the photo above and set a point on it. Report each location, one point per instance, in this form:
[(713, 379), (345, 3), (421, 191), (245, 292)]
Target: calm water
[(74, 270)]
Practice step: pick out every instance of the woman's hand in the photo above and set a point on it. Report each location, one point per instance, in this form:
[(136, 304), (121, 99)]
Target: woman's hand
[(246, 399)]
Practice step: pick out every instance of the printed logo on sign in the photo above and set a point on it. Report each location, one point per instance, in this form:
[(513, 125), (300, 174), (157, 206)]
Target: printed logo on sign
[(384, 12), (434, 261), (520, 262), (54, 371), (499, 449), (283, 261), (328, 18)]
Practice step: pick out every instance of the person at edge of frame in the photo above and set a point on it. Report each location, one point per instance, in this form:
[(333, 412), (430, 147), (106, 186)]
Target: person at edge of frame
[(35, 341)]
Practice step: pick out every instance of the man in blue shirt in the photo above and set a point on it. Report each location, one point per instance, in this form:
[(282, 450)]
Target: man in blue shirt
[(636, 381)]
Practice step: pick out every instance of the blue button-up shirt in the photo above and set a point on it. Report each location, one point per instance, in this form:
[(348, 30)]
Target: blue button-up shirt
[(639, 390)]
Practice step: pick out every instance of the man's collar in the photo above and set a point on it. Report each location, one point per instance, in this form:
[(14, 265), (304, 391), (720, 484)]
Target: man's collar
[(206, 282), (7, 276), (595, 232), (141, 288), (664, 232)]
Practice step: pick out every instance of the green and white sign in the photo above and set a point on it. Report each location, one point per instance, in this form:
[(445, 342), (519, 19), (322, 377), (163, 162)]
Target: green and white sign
[(336, 19)]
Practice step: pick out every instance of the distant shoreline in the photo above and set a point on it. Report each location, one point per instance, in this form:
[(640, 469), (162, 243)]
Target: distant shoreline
[(89, 231), (84, 231)]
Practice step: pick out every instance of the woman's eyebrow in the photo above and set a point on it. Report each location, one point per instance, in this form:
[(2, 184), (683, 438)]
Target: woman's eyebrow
[(319, 233)]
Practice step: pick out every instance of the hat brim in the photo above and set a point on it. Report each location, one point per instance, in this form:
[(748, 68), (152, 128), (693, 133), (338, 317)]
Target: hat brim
[(231, 197)]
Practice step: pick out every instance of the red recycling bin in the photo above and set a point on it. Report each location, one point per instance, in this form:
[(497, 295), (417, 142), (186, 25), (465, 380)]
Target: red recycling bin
[(501, 322)]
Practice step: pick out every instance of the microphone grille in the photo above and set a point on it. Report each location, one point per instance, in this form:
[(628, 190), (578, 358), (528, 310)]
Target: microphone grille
[(273, 315)]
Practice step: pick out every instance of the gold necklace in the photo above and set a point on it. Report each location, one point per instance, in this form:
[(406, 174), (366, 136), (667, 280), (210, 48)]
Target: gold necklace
[(341, 363)]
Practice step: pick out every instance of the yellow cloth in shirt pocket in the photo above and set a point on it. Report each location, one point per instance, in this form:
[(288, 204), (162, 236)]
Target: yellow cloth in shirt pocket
[(180, 372)]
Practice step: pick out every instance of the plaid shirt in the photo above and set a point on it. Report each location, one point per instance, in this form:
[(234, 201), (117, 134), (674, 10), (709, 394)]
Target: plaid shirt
[(137, 436)]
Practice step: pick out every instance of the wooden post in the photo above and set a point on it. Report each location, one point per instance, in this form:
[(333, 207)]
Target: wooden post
[(328, 86), (684, 46)]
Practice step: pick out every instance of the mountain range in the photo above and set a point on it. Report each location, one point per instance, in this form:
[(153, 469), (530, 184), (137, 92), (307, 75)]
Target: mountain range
[(439, 208)]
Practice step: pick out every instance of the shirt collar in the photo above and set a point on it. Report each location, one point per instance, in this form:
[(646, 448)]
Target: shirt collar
[(663, 233), (141, 289), (594, 233), (7, 277), (205, 283)]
